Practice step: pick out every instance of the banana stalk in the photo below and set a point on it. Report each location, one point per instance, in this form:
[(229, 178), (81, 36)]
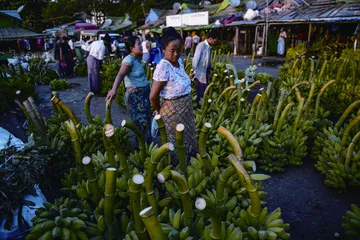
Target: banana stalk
[(251, 116), (261, 108), (205, 107), (183, 188), (278, 108), (139, 136), (202, 148), (87, 107), (346, 113), (109, 204), (220, 184), (163, 136), (151, 222), (154, 161), (39, 116), (297, 119), (282, 118), (311, 95), (66, 109), (108, 119), (93, 180), (350, 150), (348, 129), (77, 148), (214, 214), (232, 141), (253, 84), (250, 186), (180, 147), (226, 94), (135, 186), (124, 165), (39, 127), (321, 92), (297, 94), (109, 150)]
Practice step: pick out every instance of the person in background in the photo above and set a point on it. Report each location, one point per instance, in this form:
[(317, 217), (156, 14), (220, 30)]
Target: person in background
[(146, 49), (58, 56), (115, 47), (188, 43), (96, 55), (71, 45), (202, 63), (46, 45), (196, 41), (137, 87), (66, 53), (89, 41), (281, 42), (51, 42), (173, 85)]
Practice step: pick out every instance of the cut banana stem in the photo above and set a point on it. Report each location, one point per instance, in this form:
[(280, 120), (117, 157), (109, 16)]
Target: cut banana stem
[(109, 150), (151, 222), (205, 107), (154, 161), (181, 184), (109, 203), (108, 119), (238, 114), (92, 178), (220, 184), (346, 113), (350, 150), (139, 136), (66, 109), (180, 147), (135, 186), (282, 118), (348, 128), (251, 117), (253, 84), (298, 116), (110, 134), (278, 108), (250, 186), (87, 107), (77, 149), (233, 142), (227, 91), (163, 136), (202, 148), (318, 98), (311, 95), (39, 116), (297, 94), (39, 127), (260, 108), (214, 215)]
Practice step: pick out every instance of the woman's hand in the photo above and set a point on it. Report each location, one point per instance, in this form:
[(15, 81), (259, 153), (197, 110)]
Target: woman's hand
[(111, 94)]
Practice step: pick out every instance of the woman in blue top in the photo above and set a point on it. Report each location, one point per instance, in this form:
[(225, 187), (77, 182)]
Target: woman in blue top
[(173, 85), (137, 87)]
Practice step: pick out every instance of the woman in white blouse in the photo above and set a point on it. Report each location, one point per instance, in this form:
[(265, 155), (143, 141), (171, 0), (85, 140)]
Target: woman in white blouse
[(172, 84)]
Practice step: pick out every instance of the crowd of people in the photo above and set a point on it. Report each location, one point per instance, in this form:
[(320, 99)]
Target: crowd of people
[(64, 55)]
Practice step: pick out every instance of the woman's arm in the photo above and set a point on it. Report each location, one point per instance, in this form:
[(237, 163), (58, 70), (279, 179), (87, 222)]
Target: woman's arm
[(124, 70), (156, 88)]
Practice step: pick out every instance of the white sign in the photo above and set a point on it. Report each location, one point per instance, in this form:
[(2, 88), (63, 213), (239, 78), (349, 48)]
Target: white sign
[(189, 19)]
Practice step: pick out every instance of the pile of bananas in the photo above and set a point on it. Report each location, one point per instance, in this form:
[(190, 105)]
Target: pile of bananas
[(59, 84), (351, 222)]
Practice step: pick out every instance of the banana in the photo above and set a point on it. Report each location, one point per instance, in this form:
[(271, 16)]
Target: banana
[(184, 233), (275, 223), (231, 204), (252, 232), (65, 233), (176, 220)]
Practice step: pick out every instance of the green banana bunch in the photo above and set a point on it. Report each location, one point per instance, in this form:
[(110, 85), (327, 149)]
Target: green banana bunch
[(351, 222), (62, 220), (135, 157)]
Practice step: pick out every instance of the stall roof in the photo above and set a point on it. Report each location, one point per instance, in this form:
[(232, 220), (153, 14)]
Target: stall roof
[(11, 13), (318, 13), (13, 33)]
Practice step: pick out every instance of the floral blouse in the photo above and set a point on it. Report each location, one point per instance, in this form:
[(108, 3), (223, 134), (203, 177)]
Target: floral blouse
[(178, 82)]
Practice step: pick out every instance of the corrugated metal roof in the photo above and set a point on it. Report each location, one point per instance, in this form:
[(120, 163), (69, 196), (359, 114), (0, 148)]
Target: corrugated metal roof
[(17, 33), (11, 13)]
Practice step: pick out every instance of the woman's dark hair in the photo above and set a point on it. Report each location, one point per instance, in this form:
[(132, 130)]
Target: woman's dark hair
[(130, 42), (169, 34), (147, 37)]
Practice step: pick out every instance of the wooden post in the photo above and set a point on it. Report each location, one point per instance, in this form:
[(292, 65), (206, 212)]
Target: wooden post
[(310, 30), (255, 40), (236, 48)]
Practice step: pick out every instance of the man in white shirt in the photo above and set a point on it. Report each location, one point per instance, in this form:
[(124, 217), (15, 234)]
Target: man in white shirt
[(96, 55), (196, 40)]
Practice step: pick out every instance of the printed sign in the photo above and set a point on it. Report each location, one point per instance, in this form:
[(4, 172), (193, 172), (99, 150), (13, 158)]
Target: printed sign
[(189, 19)]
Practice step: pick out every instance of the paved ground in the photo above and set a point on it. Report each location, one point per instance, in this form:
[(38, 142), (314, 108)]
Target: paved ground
[(313, 210)]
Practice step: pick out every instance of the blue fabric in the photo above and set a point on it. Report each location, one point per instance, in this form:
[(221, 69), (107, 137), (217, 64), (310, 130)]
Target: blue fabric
[(137, 76), (281, 47), (138, 103)]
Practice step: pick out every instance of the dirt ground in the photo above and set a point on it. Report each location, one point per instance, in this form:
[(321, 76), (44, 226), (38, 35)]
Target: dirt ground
[(313, 210)]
